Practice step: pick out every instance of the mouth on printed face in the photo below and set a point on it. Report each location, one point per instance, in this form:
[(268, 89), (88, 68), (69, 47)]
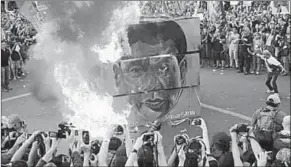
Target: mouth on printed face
[(155, 104)]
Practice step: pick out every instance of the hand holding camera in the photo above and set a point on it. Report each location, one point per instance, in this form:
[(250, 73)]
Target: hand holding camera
[(200, 123), (181, 139), (240, 128), (64, 129)]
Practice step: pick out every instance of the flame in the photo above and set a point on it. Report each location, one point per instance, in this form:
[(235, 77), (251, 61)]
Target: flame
[(111, 52), (83, 107)]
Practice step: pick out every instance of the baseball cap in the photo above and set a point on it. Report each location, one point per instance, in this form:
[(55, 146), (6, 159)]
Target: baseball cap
[(274, 98), (13, 119)]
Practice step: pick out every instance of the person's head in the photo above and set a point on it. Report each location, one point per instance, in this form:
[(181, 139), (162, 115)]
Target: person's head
[(286, 123), (19, 163), (234, 29), (15, 122), (61, 160), (246, 30), (204, 30), (257, 36), (120, 157), (114, 144), (220, 144), (195, 153), (146, 156), (267, 54), (273, 100), (156, 61)]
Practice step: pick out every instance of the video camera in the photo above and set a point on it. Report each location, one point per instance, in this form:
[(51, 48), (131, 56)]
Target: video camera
[(242, 128), (95, 146), (181, 139), (150, 135), (63, 128)]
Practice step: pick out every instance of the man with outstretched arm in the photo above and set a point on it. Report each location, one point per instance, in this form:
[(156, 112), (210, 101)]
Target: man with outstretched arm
[(274, 68)]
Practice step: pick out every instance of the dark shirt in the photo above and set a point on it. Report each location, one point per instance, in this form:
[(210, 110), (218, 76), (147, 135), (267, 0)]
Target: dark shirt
[(217, 45), (247, 44), (4, 57)]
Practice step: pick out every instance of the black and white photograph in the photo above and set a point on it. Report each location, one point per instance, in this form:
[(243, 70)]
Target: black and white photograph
[(145, 83)]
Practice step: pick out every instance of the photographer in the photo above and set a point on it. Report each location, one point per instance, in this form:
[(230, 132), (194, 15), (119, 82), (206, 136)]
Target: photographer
[(268, 120), (7, 155), (145, 150), (16, 123), (255, 150), (177, 158), (49, 154), (282, 139), (25, 147)]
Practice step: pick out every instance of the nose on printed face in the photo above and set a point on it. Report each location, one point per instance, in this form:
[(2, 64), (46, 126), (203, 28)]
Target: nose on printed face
[(151, 82)]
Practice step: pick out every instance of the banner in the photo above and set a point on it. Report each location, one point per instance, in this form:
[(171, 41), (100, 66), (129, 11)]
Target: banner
[(160, 77), (34, 11)]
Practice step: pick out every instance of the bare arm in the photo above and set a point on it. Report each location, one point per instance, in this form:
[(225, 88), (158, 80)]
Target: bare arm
[(235, 148), (172, 158), (32, 154)]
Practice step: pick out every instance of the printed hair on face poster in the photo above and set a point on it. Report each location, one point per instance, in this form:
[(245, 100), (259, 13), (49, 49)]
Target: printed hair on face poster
[(154, 77)]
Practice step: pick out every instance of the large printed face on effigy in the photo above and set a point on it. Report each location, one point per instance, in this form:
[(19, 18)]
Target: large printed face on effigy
[(155, 67)]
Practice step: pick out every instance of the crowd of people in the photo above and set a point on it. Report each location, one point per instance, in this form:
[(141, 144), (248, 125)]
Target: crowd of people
[(264, 142), (17, 35), (246, 31)]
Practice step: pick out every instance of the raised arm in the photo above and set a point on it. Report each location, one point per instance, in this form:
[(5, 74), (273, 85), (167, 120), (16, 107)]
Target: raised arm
[(234, 147)]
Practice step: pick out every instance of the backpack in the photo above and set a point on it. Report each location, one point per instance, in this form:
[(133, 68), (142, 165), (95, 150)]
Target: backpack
[(266, 120), (265, 128)]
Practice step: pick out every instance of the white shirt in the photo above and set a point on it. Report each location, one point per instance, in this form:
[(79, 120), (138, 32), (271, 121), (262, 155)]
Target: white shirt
[(234, 39), (272, 61), (17, 48), (269, 40)]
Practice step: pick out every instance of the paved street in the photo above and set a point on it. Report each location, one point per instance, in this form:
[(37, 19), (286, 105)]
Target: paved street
[(220, 91)]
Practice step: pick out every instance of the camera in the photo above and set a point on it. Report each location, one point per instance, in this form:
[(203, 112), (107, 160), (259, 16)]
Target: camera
[(242, 128), (149, 137), (63, 128), (95, 146), (86, 137), (119, 130), (180, 139), (39, 138), (196, 122)]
